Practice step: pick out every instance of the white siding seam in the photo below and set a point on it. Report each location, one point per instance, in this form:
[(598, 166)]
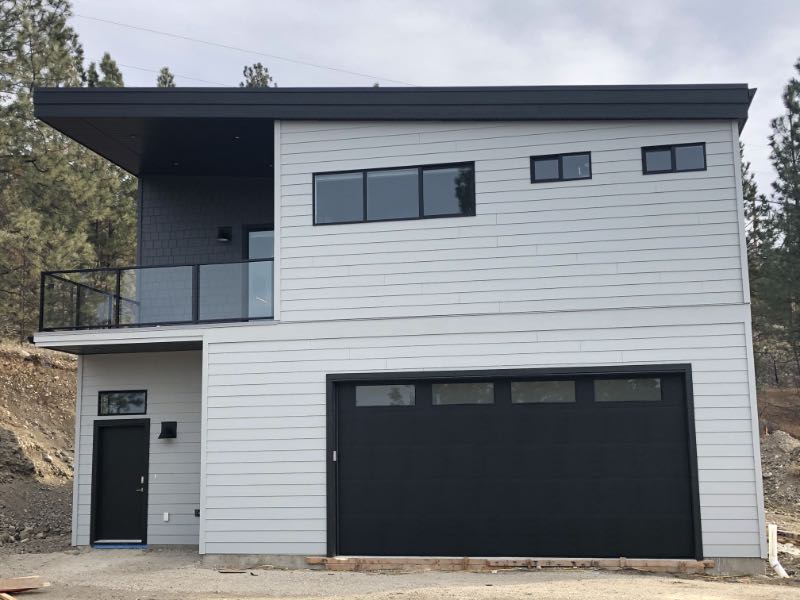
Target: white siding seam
[(276, 226), (751, 372), (203, 448), (76, 449), (737, 173)]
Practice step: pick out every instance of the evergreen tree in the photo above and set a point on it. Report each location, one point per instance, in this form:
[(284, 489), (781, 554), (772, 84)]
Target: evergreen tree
[(165, 78), (760, 232), (784, 310), (256, 75), (61, 206), (111, 75)]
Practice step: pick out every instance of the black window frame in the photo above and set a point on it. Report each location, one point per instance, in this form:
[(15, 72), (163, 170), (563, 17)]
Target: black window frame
[(421, 195), (100, 397), (560, 159), (671, 148)]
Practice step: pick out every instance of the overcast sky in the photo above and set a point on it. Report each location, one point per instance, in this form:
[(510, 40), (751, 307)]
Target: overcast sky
[(462, 42)]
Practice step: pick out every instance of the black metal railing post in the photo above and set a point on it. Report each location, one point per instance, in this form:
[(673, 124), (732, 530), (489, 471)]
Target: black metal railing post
[(117, 297), (77, 307), (41, 301), (195, 293)]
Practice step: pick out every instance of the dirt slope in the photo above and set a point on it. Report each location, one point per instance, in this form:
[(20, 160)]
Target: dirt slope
[(37, 410)]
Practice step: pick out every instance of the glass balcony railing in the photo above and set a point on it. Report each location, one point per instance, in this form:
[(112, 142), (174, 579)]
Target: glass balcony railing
[(148, 296)]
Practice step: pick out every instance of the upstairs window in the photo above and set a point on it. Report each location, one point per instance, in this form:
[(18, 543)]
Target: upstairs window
[(394, 194), (561, 167), (676, 158)]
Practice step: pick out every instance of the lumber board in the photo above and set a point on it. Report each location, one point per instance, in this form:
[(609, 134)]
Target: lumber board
[(385, 563), (22, 584)]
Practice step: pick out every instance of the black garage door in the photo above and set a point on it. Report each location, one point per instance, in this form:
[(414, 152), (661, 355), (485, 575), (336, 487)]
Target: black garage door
[(569, 465)]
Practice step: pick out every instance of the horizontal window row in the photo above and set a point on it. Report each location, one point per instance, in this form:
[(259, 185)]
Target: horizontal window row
[(638, 389), (394, 194), (655, 159), (449, 190)]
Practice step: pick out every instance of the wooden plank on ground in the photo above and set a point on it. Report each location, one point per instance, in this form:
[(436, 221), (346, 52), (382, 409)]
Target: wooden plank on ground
[(385, 563), (22, 584)]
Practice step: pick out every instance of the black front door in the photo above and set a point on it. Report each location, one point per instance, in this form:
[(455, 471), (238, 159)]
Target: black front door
[(119, 481)]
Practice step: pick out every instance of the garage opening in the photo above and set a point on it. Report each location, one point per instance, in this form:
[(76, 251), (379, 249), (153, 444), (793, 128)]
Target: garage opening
[(580, 463)]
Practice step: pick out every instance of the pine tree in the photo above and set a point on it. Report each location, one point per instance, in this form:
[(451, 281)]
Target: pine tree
[(256, 75), (111, 75), (760, 237), (61, 206), (785, 155), (165, 78)]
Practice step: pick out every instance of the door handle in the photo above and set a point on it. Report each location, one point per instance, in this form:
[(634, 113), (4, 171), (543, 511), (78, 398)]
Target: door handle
[(141, 489)]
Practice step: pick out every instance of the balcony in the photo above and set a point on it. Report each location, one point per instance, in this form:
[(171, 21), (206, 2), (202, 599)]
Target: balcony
[(152, 296)]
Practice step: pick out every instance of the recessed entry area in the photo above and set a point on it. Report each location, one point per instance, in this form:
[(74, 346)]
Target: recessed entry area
[(589, 463)]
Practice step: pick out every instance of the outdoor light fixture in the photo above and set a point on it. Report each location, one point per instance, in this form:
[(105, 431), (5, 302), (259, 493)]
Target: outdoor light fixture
[(169, 430), (224, 234)]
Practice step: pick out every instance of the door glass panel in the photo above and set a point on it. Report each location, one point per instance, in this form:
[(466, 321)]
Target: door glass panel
[(384, 395), (260, 245), (463, 393), (542, 392), (642, 389)]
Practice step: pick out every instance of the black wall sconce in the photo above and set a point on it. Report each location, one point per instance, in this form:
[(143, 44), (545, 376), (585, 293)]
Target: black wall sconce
[(169, 430), (224, 234)]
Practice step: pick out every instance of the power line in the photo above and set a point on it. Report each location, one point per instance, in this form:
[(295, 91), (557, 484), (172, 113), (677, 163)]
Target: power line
[(238, 49), (175, 74)]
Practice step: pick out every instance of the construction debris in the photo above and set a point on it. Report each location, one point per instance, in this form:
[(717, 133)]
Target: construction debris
[(415, 563), (22, 584)]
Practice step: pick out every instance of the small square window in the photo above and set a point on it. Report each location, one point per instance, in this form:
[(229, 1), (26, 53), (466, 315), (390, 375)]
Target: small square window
[(339, 198), (690, 158), (576, 166), (122, 403), (545, 168), (385, 395), (640, 389), (448, 190), (542, 392), (463, 393), (657, 160), (392, 194)]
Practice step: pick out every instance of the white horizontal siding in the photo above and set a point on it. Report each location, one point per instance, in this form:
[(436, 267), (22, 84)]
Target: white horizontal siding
[(173, 381), (619, 240), (266, 489)]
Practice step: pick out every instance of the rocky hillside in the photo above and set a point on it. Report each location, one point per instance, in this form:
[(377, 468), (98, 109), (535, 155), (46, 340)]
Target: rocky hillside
[(37, 404)]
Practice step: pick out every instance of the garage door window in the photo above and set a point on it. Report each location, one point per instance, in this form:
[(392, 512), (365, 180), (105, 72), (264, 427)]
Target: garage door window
[(385, 395), (463, 393), (542, 392), (628, 390)]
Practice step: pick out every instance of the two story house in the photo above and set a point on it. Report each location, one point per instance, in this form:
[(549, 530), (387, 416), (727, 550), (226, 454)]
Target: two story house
[(491, 321)]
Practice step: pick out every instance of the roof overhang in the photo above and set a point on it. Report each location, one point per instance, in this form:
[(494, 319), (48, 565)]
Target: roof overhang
[(229, 130)]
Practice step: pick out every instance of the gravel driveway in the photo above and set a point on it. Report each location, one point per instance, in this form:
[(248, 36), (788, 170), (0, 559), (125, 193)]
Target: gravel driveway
[(176, 574)]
